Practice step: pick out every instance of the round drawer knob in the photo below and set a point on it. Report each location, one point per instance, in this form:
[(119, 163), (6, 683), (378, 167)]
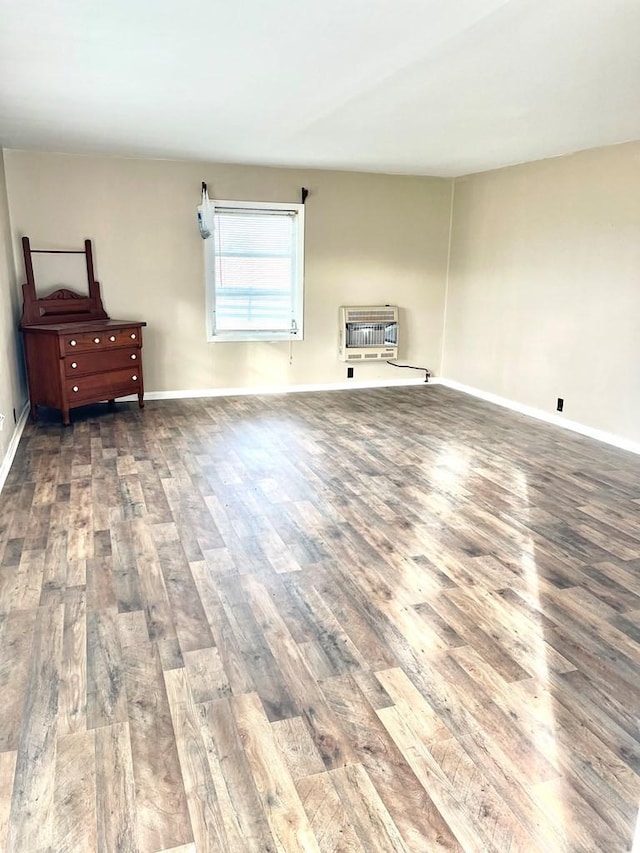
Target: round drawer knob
[(133, 337), (96, 340), (74, 364), (73, 343), (112, 338), (133, 357), (75, 388), (134, 377)]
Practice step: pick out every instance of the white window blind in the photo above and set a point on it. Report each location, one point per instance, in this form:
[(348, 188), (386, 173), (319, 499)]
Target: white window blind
[(257, 271)]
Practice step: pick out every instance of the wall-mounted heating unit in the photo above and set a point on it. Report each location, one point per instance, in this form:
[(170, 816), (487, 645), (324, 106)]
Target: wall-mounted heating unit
[(368, 333)]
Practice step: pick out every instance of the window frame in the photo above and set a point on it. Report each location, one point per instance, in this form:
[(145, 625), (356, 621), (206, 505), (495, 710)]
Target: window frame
[(214, 336)]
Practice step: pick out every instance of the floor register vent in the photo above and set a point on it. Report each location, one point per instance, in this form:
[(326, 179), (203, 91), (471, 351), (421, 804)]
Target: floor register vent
[(368, 333)]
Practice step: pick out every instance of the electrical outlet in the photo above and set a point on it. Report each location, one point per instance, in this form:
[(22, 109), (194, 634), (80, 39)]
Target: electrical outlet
[(349, 372), (560, 405)]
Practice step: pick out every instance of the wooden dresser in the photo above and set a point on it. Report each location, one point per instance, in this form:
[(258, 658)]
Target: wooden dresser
[(75, 353)]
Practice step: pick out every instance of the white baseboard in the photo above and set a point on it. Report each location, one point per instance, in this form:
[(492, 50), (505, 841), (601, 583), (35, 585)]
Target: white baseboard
[(344, 385), (547, 417), (9, 456)]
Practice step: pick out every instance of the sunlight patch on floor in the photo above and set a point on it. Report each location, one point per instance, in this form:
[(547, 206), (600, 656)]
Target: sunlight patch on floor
[(544, 735)]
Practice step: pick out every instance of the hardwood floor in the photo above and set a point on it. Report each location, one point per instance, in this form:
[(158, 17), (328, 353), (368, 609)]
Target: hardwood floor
[(385, 620)]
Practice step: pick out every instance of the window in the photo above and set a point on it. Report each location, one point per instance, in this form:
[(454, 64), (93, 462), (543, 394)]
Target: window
[(255, 263)]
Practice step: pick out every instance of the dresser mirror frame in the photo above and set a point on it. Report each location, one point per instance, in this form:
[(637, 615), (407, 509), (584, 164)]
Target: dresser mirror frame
[(62, 305)]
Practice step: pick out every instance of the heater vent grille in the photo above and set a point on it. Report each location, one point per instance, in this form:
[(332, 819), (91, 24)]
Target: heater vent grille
[(368, 332), (371, 315)]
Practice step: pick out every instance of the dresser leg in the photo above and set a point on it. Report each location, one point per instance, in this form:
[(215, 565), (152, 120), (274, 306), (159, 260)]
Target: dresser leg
[(141, 400), (65, 417), (112, 405), (33, 411)]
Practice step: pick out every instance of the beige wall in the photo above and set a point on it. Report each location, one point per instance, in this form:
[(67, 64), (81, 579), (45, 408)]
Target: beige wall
[(369, 239), (12, 387), (544, 286)]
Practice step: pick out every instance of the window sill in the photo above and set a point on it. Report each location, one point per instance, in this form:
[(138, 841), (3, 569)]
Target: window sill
[(265, 337)]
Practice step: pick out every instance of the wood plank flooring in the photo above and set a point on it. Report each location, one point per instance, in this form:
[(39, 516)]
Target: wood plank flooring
[(382, 620)]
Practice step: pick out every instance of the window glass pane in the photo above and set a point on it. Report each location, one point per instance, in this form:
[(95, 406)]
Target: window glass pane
[(254, 270)]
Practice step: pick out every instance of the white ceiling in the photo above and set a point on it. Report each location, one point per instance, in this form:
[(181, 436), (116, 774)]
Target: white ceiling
[(436, 87)]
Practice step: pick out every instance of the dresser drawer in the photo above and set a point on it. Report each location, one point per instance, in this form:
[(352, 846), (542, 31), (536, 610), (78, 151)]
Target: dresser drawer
[(83, 362), (103, 386), (93, 341)]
